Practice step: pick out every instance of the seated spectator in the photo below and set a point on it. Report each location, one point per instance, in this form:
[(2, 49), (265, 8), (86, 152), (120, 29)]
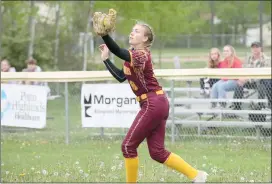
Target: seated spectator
[(207, 83), (32, 67), (5, 67), (257, 59), (220, 88)]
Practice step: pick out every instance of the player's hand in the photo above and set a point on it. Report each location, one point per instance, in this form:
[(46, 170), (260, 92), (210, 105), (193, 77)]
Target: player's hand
[(105, 53)]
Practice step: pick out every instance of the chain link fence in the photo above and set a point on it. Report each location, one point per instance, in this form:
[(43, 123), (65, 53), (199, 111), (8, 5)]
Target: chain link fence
[(194, 113)]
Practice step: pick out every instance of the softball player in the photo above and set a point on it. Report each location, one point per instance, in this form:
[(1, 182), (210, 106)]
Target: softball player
[(150, 121)]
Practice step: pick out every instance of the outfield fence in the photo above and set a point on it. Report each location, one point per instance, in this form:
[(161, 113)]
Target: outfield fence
[(65, 104)]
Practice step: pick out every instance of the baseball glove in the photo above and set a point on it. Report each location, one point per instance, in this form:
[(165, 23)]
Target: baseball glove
[(104, 23)]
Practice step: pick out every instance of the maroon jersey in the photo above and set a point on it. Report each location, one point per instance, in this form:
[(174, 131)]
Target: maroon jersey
[(139, 72)]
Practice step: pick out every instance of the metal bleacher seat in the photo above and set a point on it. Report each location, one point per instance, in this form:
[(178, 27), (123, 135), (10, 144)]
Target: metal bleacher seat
[(196, 111)]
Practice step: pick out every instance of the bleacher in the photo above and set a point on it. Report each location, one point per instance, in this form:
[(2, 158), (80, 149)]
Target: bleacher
[(194, 110)]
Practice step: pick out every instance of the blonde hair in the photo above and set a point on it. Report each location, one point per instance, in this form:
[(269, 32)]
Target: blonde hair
[(149, 33), (212, 63), (233, 55)]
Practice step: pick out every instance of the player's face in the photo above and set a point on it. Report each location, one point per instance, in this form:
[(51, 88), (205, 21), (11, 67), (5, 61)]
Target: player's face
[(227, 52), (137, 35), (214, 55), (4, 66), (255, 50)]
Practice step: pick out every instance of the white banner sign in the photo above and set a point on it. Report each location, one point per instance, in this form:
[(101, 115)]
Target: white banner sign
[(108, 105), (23, 105)]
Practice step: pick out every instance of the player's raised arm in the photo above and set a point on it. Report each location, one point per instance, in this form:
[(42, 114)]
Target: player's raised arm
[(116, 72), (115, 49)]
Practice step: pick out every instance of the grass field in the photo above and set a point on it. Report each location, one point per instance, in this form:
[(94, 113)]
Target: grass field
[(43, 156), (101, 161)]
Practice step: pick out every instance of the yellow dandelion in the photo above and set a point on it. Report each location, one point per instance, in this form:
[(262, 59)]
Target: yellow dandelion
[(22, 174)]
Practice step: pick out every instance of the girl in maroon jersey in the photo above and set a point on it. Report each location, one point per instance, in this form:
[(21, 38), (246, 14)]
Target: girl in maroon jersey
[(150, 121)]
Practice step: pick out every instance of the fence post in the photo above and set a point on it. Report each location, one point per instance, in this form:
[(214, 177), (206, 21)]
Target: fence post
[(189, 93), (102, 131), (172, 111), (66, 114), (258, 132)]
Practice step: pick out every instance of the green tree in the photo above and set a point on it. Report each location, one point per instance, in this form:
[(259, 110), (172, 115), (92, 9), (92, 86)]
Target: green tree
[(167, 19), (16, 35)]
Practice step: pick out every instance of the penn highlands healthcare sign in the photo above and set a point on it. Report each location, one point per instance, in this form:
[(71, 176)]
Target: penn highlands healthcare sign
[(23, 105), (108, 105)]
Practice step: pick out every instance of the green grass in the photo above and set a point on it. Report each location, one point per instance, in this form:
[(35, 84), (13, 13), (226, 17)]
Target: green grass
[(184, 65), (43, 156), (101, 161)]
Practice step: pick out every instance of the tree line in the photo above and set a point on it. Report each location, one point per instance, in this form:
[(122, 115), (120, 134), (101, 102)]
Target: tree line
[(53, 39)]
